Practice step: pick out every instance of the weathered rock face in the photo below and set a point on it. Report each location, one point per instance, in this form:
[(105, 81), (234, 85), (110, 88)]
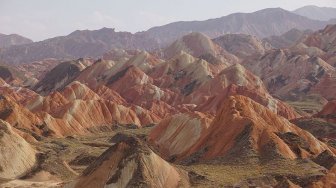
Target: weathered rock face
[(77, 110), (322, 39), (6, 74), (232, 81), (19, 117), (108, 80), (12, 75), (287, 39), (17, 157), (18, 94), (328, 181), (279, 71), (108, 94), (185, 73), (74, 110), (59, 77), (176, 134), (242, 45), (38, 69), (200, 46), (319, 127), (328, 112), (103, 72), (195, 44), (246, 129), (117, 54), (325, 41), (131, 163)]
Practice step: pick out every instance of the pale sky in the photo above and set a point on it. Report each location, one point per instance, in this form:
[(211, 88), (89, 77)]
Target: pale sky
[(42, 19)]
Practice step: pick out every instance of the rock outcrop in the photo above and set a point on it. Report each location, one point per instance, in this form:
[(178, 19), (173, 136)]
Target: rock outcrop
[(131, 163), (17, 157), (59, 77), (328, 112), (242, 45)]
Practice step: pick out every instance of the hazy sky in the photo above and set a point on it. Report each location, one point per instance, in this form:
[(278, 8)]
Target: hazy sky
[(41, 19)]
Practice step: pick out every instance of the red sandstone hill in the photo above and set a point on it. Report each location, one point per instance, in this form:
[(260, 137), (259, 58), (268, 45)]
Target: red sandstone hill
[(208, 103), (236, 80), (74, 110), (325, 41), (241, 128), (77, 96)]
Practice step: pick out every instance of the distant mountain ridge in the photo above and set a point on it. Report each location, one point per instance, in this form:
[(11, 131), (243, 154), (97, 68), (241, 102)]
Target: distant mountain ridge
[(262, 23), (317, 13), (78, 44), (13, 39), (86, 43)]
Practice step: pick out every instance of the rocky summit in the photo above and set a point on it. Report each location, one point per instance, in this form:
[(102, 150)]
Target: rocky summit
[(245, 100)]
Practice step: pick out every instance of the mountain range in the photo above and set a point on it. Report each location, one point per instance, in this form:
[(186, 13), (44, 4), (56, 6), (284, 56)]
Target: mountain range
[(263, 23), (317, 13), (233, 110), (13, 39)]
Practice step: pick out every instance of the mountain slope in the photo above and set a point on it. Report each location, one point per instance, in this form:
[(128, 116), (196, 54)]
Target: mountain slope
[(196, 44), (241, 128), (13, 39), (316, 13), (131, 163), (59, 76), (328, 112), (77, 45), (287, 39), (16, 156), (290, 75), (242, 45), (263, 23)]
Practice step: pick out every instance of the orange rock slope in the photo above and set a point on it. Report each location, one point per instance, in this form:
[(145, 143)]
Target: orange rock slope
[(241, 127), (232, 81), (328, 181), (74, 110), (136, 88)]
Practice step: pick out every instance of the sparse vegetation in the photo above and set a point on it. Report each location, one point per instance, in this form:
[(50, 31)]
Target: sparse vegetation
[(222, 175), (77, 151), (310, 104)]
